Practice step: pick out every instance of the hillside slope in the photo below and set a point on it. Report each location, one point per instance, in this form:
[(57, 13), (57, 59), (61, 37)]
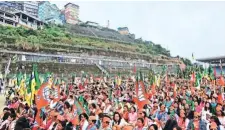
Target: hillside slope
[(34, 39)]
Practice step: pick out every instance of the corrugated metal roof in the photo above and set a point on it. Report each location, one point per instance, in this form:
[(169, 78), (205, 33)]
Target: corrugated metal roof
[(212, 59)]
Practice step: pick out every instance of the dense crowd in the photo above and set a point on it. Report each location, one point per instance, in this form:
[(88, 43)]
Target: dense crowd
[(174, 105)]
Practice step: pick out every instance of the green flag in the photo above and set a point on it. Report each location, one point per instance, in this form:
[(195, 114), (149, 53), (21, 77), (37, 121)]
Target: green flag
[(19, 78), (36, 77), (197, 79), (84, 104), (211, 73), (47, 76)]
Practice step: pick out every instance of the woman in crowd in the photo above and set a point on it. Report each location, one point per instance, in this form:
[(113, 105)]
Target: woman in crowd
[(153, 127), (220, 114), (125, 113), (83, 121), (215, 120), (118, 120), (206, 111), (107, 111), (140, 125), (170, 124), (92, 108), (132, 115)]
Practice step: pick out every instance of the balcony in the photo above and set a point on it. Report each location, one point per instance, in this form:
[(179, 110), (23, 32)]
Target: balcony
[(9, 18)]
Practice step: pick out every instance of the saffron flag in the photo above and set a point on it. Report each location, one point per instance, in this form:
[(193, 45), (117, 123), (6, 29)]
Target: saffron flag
[(215, 71), (193, 77), (220, 98), (221, 81), (56, 93), (77, 110), (141, 95), (42, 100)]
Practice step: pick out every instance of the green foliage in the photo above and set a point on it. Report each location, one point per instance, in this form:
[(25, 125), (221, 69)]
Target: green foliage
[(34, 39), (186, 61)]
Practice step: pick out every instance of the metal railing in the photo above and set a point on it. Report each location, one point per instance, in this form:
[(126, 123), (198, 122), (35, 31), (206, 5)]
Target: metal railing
[(83, 58)]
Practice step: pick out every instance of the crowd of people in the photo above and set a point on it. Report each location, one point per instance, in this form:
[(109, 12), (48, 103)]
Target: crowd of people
[(173, 105)]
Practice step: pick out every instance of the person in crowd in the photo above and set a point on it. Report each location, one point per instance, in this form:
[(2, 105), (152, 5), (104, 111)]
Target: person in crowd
[(92, 123), (99, 108), (153, 127), (92, 108), (220, 114), (206, 111), (118, 121), (161, 116), (214, 119), (140, 125), (170, 124), (83, 121), (106, 123), (197, 123), (22, 123), (177, 128), (132, 115), (125, 113), (182, 120), (5, 121), (142, 114)]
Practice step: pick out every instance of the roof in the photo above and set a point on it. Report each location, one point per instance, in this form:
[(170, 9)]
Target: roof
[(18, 12), (71, 4), (42, 2), (123, 28), (91, 22), (212, 59)]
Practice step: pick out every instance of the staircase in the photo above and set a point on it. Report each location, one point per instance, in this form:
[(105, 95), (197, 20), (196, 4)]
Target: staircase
[(102, 69)]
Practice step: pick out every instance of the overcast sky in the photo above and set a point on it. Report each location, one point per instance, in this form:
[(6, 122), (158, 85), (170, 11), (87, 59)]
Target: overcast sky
[(182, 27)]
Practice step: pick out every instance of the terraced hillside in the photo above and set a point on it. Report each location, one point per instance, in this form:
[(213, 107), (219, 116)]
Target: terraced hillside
[(64, 38), (78, 41)]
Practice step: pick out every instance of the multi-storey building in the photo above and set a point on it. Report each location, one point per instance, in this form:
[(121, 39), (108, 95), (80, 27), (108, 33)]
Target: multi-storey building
[(71, 13), (49, 13), (11, 5), (8, 18), (29, 7), (28, 21)]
